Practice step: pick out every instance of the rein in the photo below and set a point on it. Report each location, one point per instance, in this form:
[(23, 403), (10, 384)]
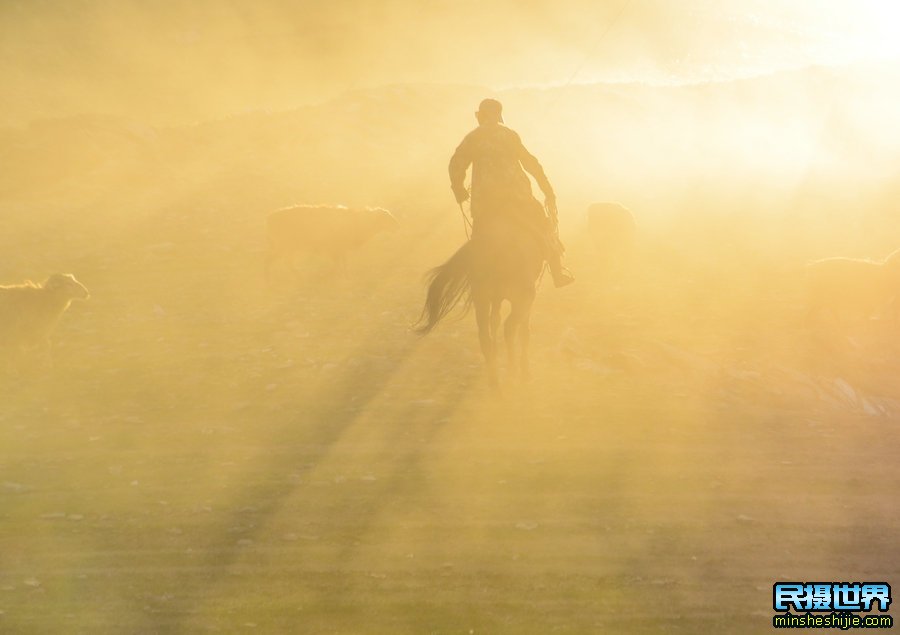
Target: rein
[(467, 224)]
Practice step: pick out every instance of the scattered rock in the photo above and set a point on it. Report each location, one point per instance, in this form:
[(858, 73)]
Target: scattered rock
[(846, 391)]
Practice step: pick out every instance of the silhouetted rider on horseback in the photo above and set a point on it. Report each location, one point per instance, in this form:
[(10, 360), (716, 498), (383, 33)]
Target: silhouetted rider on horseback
[(501, 186)]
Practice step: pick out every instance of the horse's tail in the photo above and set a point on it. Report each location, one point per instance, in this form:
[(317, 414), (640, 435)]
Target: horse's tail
[(447, 285)]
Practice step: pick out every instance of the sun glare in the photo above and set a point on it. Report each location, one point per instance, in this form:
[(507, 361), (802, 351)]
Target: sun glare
[(863, 30)]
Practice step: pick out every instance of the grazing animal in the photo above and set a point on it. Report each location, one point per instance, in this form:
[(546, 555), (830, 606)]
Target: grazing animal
[(851, 286), (502, 261), (612, 229), (328, 230), (29, 312)]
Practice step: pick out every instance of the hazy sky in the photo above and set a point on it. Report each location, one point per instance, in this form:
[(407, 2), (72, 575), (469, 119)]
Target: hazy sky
[(167, 59)]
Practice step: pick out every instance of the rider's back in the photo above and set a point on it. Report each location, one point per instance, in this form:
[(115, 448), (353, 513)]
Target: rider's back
[(497, 175)]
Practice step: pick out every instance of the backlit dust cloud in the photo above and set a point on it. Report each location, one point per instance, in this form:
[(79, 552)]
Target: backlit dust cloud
[(225, 421)]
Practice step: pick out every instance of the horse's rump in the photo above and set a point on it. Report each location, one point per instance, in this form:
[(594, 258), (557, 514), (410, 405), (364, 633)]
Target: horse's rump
[(502, 261), (508, 251)]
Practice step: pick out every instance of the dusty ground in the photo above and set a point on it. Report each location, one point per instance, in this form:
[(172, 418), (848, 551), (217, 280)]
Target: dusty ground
[(211, 454)]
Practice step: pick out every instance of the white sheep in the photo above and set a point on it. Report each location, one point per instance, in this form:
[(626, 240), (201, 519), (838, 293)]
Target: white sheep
[(852, 286), (29, 312), (329, 230)]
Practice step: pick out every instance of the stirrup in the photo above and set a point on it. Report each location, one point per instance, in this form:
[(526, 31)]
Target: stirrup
[(562, 277)]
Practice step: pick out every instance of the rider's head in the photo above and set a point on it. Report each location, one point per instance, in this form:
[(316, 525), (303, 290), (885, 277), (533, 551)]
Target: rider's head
[(489, 111)]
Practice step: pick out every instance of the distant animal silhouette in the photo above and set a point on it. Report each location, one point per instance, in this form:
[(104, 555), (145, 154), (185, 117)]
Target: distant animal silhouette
[(332, 231), (502, 261), (848, 287), (29, 312)]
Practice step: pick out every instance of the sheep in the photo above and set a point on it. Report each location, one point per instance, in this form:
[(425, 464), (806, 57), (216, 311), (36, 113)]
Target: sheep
[(330, 230), (29, 312), (855, 286), (612, 229)]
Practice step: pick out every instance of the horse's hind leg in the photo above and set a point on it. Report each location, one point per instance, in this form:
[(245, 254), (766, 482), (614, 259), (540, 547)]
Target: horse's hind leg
[(488, 345), (524, 339), (495, 319), (511, 330), (522, 332)]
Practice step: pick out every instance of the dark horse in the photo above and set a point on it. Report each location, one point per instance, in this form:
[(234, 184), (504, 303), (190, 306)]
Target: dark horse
[(502, 261)]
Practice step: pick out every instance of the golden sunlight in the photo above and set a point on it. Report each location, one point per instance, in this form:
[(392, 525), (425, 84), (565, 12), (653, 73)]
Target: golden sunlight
[(513, 317), (873, 25)]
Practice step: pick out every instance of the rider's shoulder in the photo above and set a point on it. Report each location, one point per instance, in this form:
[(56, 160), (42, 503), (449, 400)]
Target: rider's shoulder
[(494, 131), (507, 134), (512, 134), (473, 135)]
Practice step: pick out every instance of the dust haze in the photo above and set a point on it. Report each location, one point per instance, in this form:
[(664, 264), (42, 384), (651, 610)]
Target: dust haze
[(205, 447)]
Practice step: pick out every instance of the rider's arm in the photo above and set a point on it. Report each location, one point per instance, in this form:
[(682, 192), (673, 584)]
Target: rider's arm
[(459, 163), (533, 167)]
